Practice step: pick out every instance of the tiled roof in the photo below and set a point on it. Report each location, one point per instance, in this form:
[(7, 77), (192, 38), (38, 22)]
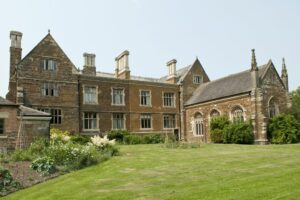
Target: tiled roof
[(6, 102), (227, 86)]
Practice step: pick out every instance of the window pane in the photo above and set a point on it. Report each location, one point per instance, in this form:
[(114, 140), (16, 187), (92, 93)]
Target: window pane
[(1, 126)]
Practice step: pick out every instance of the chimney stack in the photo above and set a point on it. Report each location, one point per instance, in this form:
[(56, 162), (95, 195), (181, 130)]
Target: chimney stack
[(171, 71), (89, 67), (122, 65), (15, 58), (15, 38)]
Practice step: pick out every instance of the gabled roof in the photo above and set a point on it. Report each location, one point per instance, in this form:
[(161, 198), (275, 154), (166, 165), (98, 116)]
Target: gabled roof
[(49, 36), (5, 102), (227, 86)]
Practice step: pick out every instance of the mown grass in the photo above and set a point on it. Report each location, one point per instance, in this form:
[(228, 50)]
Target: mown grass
[(231, 172)]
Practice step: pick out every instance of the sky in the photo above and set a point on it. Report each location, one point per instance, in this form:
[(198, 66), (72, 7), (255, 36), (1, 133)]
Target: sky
[(220, 33)]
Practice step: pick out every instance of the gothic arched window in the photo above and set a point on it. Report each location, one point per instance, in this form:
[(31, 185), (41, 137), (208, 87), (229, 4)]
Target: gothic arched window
[(198, 125), (237, 115), (214, 113), (272, 108)]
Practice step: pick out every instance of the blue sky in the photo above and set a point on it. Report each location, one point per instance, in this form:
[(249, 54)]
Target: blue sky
[(220, 33)]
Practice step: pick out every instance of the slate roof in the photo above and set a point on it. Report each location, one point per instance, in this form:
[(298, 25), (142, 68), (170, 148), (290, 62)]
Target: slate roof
[(6, 102), (225, 87), (26, 111), (181, 73)]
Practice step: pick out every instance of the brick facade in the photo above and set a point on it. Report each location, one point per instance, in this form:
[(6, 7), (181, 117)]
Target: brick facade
[(82, 101)]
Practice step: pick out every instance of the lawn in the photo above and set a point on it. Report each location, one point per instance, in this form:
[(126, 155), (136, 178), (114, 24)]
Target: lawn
[(231, 172)]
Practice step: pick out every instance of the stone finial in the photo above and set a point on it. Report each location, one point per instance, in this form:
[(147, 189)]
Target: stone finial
[(15, 38), (284, 75), (284, 70), (253, 61)]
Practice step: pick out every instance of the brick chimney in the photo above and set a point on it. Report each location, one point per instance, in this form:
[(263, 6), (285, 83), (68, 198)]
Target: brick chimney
[(171, 71), (89, 67), (122, 66), (15, 58)]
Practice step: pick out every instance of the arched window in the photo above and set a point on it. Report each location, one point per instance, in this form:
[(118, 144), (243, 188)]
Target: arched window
[(272, 108), (198, 125), (214, 113), (237, 115)]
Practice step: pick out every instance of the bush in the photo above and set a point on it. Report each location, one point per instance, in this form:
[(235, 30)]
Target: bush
[(117, 135), (21, 155), (7, 183), (43, 165), (57, 135), (132, 139), (238, 133), (38, 147), (284, 129), (216, 135), (80, 139), (153, 139), (217, 125)]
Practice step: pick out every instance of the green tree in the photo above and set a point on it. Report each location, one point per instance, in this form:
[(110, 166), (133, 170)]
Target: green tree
[(295, 108), (284, 129)]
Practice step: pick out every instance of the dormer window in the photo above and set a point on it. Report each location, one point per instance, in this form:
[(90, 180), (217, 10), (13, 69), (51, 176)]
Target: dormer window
[(49, 64), (197, 79)]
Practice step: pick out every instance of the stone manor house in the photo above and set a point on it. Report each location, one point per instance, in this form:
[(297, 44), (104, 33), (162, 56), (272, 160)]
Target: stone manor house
[(182, 102)]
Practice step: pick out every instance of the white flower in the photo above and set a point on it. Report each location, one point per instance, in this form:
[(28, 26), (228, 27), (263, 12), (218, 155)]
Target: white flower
[(101, 142), (66, 138)]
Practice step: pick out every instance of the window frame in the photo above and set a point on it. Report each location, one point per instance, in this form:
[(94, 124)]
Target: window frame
[(49, 64), (235, 118), (123, 96), (145, 116), (274, 110), (84, 94), (172, 99), (173, 121), (2, 120), (49, 89), (58, 118), (113, 120), (198, 128), (195, 76), (149, 98), (88, 118)]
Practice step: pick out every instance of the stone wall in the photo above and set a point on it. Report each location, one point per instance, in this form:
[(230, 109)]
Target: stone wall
[(224, 106), (8, 139)]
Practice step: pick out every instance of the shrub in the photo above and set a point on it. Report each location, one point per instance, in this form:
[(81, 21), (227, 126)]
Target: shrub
[(216, 135), (219, 122), (132, 139), (43, 165), (117, 135), (217, 125), (153, 139), (57, 135), (38, 147), (7, 183), (284, 129), (238, 133), (21, 155), (80, 139)]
